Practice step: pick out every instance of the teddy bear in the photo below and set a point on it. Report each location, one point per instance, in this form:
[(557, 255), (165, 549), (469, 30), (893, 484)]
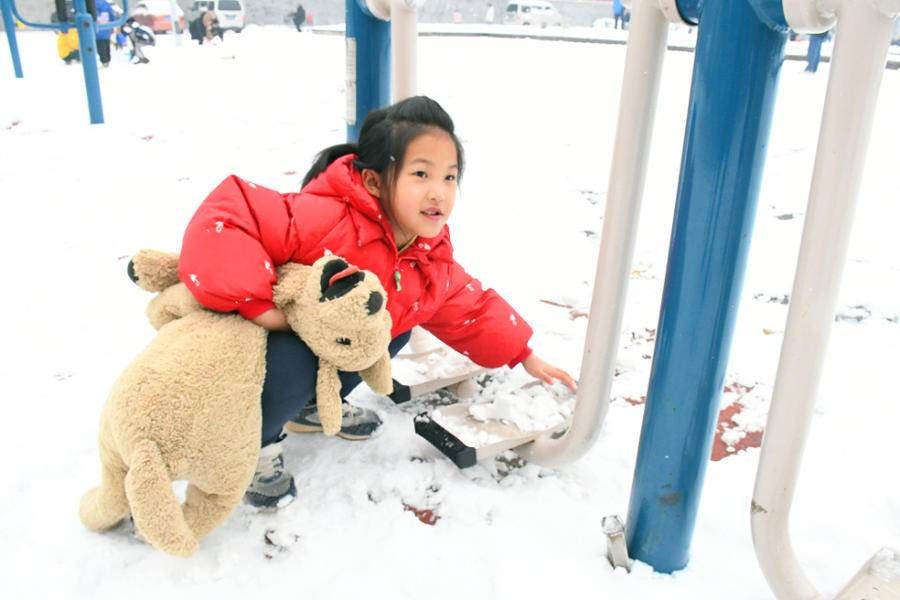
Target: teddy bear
[(188, 407)]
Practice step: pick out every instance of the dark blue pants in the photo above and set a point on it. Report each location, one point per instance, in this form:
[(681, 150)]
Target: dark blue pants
[(290, 382), (814, 51)]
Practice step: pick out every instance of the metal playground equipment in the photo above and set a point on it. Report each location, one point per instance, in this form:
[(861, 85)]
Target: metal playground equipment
[(739, 53), (87, 42)]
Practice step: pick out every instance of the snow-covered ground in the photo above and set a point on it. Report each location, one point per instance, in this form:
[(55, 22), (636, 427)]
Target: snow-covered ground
[(79, 200)]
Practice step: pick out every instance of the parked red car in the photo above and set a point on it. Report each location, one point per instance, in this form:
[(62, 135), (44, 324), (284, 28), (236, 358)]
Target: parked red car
[(157, 15)]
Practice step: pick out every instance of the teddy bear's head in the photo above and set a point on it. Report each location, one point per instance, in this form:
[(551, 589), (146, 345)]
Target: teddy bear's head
[(338, 310)]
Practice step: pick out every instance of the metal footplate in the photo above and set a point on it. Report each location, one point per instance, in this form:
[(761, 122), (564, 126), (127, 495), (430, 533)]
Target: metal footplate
[(491, 437), (878, 579)]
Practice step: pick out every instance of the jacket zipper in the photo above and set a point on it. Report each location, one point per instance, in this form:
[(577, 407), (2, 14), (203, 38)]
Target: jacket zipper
[(397, 283)]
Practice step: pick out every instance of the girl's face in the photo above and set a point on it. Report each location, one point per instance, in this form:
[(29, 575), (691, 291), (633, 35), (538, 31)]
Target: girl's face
[(425, 189)]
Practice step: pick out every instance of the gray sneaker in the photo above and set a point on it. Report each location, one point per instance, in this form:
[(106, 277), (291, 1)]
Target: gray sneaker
[(272, 486), (356, 423)]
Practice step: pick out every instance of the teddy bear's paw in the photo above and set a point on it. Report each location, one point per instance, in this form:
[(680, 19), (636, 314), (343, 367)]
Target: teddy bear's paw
[(101, 509), (183, 547), (177, 544)]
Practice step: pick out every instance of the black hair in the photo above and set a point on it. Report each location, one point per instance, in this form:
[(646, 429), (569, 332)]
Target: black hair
[(384, 137)]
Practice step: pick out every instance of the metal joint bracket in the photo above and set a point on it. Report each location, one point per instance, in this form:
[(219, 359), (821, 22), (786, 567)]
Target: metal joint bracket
[(890, 8), (810, 16), (669, 9), (381, 9), (616, 548)]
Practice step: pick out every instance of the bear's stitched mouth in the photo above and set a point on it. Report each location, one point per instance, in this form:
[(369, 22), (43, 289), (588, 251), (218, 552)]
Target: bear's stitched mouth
[(343, 341)]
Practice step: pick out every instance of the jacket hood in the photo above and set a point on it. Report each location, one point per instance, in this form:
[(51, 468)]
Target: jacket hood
[(343, 181)]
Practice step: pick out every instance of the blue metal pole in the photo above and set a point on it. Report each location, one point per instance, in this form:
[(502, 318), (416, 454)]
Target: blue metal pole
[(87, 50), (10, 25), (368, 65), (740, 49)]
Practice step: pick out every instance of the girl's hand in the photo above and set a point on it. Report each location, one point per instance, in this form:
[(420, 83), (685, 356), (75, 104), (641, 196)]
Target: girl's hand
[(272, 320), (546, 372)]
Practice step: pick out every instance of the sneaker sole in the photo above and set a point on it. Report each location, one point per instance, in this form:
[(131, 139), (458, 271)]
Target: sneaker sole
[(268, 503), (295, 427)]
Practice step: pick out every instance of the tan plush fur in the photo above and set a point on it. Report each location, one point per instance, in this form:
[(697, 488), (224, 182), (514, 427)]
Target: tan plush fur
[(188, 408)]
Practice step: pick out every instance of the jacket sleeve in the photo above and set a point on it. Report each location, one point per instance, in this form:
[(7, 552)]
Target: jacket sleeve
[(480, 323), (232, 245)]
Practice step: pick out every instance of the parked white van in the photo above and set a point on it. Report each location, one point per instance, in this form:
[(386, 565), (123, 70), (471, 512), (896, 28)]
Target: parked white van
[(531, 12), (230, 13)]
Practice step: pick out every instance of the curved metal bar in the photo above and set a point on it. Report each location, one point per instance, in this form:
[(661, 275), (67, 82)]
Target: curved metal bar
[(404, 49), (860, 52), (9, 25), (669, 8), (637, 108)]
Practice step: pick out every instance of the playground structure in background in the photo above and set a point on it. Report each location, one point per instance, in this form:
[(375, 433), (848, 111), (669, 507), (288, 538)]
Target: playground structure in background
[(87, 41)]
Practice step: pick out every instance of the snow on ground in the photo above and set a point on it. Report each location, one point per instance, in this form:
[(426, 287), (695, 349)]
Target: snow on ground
[(80, 199)]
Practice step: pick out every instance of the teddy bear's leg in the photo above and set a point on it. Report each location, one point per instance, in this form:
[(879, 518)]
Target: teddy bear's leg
[(156, 511), (106, 505), (204, 511), (328, 398)]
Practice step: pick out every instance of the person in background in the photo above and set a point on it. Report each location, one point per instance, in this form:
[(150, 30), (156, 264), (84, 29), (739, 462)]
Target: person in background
[(205, 27), (489, 14), (210, 25), (618, 10), (382, 204), (105, 15), (67, 45), (299, 17), (814, 51)]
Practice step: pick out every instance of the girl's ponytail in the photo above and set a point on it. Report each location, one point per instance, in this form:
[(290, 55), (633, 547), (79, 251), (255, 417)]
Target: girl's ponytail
[(326, 157)]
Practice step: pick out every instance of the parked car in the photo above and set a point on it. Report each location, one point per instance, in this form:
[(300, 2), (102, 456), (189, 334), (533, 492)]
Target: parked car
[(230, 13), (157, 15), (531, 12)]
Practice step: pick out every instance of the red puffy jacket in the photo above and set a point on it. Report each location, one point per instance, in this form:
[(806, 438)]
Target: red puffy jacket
[(242, 232)]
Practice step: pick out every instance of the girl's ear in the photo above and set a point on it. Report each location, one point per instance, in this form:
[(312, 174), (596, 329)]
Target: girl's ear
[(372, 182)]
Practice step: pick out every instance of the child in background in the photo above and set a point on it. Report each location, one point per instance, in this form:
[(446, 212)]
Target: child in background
[(105, 15), (382, 204), (67, 45)]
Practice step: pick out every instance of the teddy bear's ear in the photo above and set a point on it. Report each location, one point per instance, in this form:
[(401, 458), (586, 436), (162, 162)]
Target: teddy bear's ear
[(378, 376), (338, 278), (153, 270), (170, 304), (292, 278)]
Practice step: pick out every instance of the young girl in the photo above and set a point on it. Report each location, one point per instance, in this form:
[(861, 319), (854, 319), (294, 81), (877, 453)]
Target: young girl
[(382, 204)]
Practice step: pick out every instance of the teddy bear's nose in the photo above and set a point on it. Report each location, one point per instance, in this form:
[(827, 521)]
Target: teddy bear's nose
[(374, 303)]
